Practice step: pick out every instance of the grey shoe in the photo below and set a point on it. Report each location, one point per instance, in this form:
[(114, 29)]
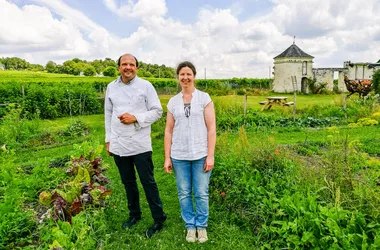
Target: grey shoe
[(202, 235), (190, 236)]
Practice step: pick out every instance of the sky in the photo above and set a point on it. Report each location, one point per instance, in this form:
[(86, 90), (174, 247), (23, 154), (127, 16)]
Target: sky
[(223, 38)]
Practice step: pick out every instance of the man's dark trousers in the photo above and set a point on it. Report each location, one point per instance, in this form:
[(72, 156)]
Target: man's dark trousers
[(144, 167)]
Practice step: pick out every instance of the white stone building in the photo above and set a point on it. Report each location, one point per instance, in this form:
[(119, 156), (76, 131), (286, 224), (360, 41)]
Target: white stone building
[(292, 62), (295, 62)]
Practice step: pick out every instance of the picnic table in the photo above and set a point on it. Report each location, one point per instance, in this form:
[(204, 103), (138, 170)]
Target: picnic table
[(275, 101)]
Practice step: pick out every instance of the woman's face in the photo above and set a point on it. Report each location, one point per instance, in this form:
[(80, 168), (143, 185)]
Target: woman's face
[(186, 77)]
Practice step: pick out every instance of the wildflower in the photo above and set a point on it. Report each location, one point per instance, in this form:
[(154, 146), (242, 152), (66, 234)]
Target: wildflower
[(223, 194), (114, 206), (271, 139), (4, 148), (276, 152)]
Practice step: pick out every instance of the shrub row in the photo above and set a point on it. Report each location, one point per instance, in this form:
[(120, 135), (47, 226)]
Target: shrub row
[(51, 100)]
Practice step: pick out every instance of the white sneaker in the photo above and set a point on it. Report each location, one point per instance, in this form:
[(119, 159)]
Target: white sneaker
[(202, 235), (190, 237)]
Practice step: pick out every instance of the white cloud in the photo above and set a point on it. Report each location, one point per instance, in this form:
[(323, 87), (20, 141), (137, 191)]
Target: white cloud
[(139, 9), (332, 31), (212, 22), (33, 28)]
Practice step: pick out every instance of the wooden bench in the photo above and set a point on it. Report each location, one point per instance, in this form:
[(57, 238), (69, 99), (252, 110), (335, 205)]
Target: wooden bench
[(263, 102), (288, 103)]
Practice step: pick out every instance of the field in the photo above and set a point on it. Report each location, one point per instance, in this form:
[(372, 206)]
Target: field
[(281, 181)]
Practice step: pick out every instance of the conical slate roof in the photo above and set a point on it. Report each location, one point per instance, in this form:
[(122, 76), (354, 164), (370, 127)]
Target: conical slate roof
[(293, 51)]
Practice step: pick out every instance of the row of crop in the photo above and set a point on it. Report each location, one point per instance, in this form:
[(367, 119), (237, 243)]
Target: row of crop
[(50, 100), (101, 82), (328, 201)]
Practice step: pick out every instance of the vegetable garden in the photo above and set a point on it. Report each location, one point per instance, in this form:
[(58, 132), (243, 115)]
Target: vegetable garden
[(281, 181)]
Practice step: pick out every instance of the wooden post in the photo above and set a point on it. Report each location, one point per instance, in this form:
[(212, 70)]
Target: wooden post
[(69, 105), (344, 104), (295, 101), (295, 87), (245, 108)]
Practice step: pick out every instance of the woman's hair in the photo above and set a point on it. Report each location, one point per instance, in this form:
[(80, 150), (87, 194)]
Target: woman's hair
[(186, 64)]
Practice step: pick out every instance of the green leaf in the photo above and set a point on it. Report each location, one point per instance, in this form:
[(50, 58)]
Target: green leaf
[(65, 227), (82, 176), (307, 236), (55, 245), (45, 198)]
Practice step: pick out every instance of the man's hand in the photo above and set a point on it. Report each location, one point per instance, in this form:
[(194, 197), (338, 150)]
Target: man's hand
[(127, 118), (108, 148)]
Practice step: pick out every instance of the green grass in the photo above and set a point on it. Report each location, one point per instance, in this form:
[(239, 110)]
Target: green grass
[(27, 77), (302, 100), (222, 234)]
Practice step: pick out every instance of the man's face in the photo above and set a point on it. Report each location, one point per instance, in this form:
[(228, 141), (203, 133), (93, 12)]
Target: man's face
[(127, 67)]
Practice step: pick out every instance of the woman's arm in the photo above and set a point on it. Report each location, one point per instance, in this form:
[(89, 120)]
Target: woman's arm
[(211, 136), (168, 141)]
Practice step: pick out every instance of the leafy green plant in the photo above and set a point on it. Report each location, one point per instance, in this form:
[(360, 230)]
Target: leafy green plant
[(16, 130), (77, 128), (87, 187)]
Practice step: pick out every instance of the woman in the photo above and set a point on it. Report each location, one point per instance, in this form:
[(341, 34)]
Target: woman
[(190, 136)]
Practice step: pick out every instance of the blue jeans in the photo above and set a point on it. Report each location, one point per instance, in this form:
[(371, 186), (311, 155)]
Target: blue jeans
[(190, 176)]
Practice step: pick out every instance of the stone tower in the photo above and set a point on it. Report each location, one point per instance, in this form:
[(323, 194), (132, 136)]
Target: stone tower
[(292, 62)]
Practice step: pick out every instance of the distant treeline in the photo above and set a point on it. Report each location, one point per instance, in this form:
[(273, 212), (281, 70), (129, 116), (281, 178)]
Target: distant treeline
[(76, 66)]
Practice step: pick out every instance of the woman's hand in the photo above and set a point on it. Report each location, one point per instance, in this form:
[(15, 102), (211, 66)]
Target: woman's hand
[(168, 166), (209, 164)]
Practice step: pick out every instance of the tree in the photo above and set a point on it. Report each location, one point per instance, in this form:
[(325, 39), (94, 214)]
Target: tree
[(51, 67), (71, 68), (77, 60), (15, 63), (98, 66), (148, 74), (140, 72), (89, 71), (109, 62), (36, 67), (110, 71), (376, 81)]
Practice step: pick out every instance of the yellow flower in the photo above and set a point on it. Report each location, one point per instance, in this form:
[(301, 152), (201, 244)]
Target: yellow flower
[(4, 148)]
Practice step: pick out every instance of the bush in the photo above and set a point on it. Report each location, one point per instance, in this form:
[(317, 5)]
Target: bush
[(110, 71), (89, 71), (376, 81), (241, 92)]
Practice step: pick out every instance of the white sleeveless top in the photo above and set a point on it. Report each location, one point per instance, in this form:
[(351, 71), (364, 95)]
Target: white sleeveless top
[(189, 140)]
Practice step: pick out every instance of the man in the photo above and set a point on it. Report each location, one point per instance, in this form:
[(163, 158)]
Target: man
[(131, 106)]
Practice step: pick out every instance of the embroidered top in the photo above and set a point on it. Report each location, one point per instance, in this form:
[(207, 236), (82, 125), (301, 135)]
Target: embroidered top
[(189, 138)]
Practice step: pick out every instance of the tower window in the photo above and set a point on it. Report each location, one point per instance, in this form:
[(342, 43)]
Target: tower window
[(304, 68)]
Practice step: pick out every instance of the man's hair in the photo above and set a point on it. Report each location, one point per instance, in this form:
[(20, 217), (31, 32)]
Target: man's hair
[(118, 60), (186, 64)]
